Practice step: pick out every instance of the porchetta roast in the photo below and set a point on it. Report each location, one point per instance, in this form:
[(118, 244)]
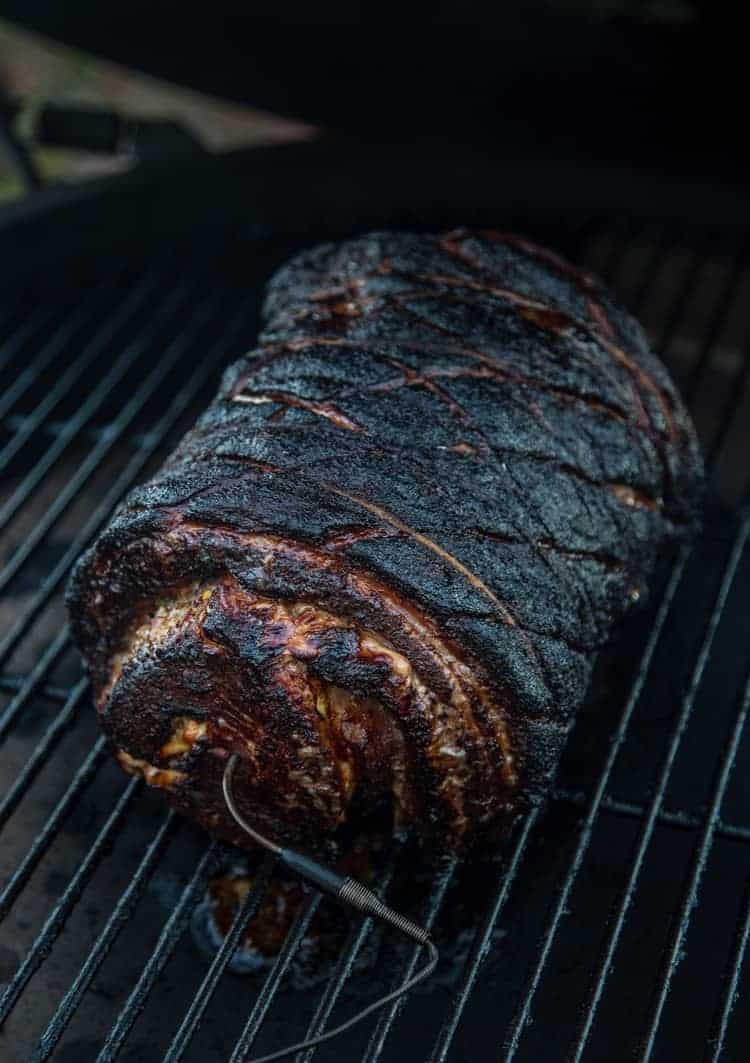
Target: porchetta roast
[(380, 566)]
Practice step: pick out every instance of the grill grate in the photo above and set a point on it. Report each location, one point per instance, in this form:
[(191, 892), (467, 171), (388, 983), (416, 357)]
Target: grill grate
[(583, 928)]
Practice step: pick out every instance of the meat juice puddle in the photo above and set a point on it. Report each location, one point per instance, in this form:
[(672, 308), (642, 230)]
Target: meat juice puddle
[(319, 951)]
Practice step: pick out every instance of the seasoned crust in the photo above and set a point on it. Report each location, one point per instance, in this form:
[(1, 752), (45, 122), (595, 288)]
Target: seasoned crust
[(456, 447)]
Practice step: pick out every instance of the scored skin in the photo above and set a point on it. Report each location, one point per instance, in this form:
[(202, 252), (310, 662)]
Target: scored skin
[(422, 504)]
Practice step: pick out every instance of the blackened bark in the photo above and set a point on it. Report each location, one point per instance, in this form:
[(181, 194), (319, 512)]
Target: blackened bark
[(381, 564)]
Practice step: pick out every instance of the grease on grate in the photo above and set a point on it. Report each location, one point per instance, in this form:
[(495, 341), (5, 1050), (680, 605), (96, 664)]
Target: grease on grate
[(267, 930)]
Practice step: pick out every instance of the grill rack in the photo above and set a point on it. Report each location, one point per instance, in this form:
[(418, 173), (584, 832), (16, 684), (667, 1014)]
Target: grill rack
[(132, 411)]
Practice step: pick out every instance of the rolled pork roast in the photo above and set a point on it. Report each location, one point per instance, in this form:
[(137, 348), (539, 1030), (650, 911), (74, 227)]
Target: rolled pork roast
[(380, 566)]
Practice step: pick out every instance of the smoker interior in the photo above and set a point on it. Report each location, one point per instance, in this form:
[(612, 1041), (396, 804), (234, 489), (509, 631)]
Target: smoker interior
[(616, 919)]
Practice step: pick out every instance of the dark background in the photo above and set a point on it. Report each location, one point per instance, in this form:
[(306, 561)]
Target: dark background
[(658, 72), (639, 82), (573, 106), (614, 132)]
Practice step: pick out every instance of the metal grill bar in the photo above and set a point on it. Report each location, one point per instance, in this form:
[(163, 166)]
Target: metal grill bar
[(67, 434), (521, 1017), (42, 751), (47, 352), (669, 817), (274, 978), (87, 409), (16, 422), (171, 933), (483, 936), (31, 684), (347, 958), (587, 828), (484, 933), (619, 236), (14, 343), (722, 309), (664, 774), (49, 691), (124, 481), (245, 912), (720, 1025), (57, 918), (69, 378), (61, 911), (659, 246), (102, 441), (673, 954), (121, 913), (355, 940), (387, 1019), (738, 387), (80, 781), (699, 264)]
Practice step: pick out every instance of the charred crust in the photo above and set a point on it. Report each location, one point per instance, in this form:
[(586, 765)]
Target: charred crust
[(380, 566)]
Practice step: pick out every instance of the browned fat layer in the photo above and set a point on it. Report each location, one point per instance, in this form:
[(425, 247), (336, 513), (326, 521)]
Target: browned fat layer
[(630, 496), (153, 628), (454, 727), (338, 291), (296, 628), (465, 680), (282, 398), (464, 449), (599, 318), (342, 540), (452, 741), (185, 733), (158, 777)]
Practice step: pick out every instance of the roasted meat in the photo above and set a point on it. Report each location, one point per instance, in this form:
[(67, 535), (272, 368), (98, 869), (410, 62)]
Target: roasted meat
[(380, 566)]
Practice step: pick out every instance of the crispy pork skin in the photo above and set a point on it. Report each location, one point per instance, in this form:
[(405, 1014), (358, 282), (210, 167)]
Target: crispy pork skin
[(380, 566)]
